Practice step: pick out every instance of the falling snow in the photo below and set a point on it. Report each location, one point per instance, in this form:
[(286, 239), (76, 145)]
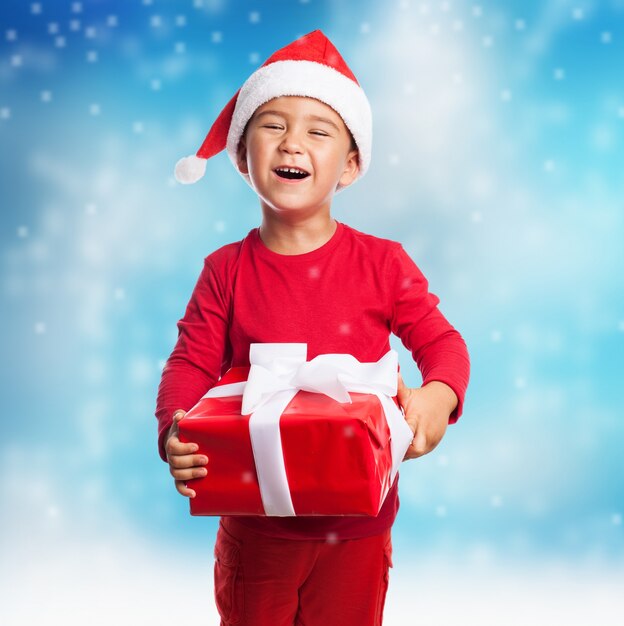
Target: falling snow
[(499, 150)]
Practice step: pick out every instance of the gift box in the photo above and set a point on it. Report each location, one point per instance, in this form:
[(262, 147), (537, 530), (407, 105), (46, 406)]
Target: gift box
[(286, 436)]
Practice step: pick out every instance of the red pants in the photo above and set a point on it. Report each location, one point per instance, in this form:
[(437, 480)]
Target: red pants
[(268, 581)]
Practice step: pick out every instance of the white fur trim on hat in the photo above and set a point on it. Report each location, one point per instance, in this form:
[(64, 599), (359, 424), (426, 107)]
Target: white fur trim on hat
[(190, 169), (304, 78)]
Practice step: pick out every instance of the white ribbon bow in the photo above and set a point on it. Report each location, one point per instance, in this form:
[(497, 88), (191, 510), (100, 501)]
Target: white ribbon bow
[(278, 371)]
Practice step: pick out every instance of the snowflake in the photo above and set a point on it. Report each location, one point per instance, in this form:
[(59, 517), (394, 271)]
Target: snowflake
[(16, 60), (247, 477), (476, 216), (35, 8), (216, 36), (496, 336), (348, 431), (94, 109), (46, 96), (90, 32), (74, 25), (331, 538), (112, 21), (155, 21), (92, 56), (119, 293), (137, 127), (22, 232), (40, 328), (91, 208), (477, 11), (505, 95), (155, 84), (345, 328), (549, 165), (219, 226), (180, 47), (365, 28), (559, 73), (76, 7), (11, 35), (606, 37), (440, 510), (254, 17), (254, 58), (578, 14), (616, 519), (458, 25), (53, 28), (487, 41), (180, 20), (520, 24), (5, 113), (59, 42), (314, 272), (496, 501)]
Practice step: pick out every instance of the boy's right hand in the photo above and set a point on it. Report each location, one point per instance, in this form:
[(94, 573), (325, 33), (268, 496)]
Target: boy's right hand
[(183, 463)]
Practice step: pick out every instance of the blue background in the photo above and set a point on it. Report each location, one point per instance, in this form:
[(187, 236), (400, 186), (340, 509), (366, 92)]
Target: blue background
[(497, 162)]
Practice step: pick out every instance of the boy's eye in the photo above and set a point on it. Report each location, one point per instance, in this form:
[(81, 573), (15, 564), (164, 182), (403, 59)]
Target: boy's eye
[(278, 127)]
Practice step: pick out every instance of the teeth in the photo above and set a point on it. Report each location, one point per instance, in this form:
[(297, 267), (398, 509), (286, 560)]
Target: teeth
[(291, 169)]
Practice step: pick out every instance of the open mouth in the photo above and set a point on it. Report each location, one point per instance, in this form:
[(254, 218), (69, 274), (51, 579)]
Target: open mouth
[(291, 173)]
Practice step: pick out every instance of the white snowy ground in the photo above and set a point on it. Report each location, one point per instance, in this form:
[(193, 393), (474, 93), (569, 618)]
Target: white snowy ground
[(130, 582)]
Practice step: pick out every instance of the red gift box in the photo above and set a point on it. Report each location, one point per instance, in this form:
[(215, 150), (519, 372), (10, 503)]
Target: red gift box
[(337, 456)]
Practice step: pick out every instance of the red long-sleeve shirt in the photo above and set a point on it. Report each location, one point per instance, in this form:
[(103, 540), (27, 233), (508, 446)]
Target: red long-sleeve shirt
[(345, 297)]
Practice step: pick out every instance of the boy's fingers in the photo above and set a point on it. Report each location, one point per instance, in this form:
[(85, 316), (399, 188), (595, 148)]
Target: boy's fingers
[(182, 461), (188, 473), (420, 442), (183, 489), (177, 447)]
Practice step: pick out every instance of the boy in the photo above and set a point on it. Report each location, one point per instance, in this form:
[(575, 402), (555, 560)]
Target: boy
[(298, 131)]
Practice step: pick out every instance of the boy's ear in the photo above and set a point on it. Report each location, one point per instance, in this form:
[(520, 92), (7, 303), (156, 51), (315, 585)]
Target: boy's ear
[(241, 156), (352, 167)]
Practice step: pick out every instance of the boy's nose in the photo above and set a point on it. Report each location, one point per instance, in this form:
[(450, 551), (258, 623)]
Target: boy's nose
[(291, 142)]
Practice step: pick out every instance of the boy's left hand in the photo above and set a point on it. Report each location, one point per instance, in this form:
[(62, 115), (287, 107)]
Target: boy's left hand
[(427, 410)]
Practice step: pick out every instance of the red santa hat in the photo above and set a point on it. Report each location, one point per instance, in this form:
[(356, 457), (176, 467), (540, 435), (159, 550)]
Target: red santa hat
[(309, 66)]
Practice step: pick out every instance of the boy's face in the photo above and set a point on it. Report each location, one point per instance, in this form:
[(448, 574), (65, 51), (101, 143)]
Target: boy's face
[(288, 131)]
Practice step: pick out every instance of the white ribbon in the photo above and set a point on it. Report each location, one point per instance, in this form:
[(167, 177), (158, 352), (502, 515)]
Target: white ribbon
[(278, 371)]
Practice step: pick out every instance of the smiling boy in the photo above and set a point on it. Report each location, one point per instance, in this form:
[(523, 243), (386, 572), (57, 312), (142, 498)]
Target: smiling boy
[(299, 131)]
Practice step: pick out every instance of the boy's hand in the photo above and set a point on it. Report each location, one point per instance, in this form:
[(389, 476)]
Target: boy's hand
[(183, 464), (427, 411)]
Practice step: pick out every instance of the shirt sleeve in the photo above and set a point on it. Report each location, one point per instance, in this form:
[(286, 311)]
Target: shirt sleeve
[(438, 349), (199, 354)]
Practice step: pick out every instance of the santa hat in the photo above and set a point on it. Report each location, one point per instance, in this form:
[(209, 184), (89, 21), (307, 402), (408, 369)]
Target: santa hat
[(309, 66)]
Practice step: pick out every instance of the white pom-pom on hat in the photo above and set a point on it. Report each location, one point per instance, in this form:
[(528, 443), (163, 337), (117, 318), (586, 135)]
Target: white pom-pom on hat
[(190, 169)]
